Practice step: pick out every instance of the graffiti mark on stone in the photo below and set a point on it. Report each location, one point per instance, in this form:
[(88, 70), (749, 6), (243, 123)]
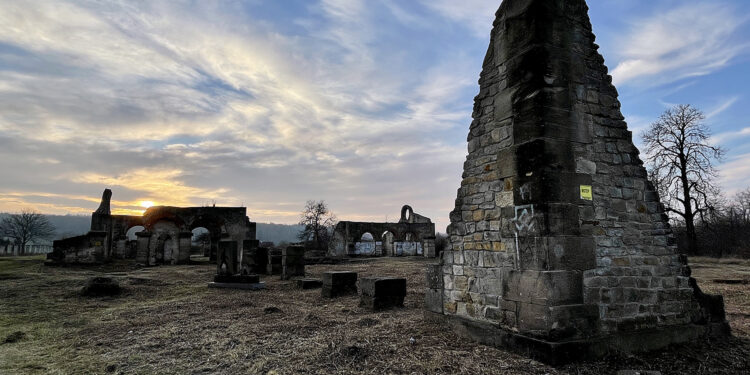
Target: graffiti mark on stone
[(524, 220)]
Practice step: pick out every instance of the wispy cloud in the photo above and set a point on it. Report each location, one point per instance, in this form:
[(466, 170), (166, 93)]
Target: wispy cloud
[(183, 104), (691, 40), (475, 15), (721, 138), (722, 107), (735, 174)]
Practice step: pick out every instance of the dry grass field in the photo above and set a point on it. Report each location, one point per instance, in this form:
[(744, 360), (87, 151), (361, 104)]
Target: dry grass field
[(168, 322)]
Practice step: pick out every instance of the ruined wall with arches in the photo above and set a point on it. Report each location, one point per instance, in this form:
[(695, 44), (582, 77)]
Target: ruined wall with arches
[(413, 234), (165, 238)]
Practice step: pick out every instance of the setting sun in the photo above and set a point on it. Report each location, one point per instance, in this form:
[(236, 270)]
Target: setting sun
[(146, 204)]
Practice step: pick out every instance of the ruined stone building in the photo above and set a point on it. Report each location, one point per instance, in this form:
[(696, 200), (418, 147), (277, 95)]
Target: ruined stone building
[(558, 241), (165, 236), (414, 234)]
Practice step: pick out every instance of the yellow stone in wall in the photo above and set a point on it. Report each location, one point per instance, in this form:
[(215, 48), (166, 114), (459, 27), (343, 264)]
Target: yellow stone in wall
[(478, 215), (498, 246)]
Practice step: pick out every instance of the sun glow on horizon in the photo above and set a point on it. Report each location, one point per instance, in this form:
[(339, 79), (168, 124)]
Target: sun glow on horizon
[(146, 204)]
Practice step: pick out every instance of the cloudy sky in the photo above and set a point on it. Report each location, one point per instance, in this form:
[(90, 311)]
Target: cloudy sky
[(269, 103)]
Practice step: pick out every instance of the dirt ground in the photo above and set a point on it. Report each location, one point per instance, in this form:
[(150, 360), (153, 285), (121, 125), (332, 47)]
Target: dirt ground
[(168, 322)]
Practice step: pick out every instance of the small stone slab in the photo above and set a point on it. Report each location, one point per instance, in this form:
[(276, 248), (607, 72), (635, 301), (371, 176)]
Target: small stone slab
[(309, 283), (245, 286), (383, 286), (339, 283), (237, 279), (379, 293)]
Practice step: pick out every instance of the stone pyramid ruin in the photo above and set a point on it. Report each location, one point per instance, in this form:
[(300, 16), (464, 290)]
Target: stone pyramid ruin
[(559, 245)]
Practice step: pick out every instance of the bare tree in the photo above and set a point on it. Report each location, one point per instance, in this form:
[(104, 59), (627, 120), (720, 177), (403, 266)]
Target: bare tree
[(318, 222), (682, 165), (25, 227)]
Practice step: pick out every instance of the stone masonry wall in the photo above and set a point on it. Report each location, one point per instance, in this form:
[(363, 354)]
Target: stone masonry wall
[(529, 250)]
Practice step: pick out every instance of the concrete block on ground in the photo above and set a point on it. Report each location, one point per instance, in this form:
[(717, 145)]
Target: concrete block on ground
[(339, 283), (274, 267), (380, 293), (309, 283), (292, 262)]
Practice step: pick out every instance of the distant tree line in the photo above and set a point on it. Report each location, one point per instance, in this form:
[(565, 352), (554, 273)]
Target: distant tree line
[(723, 232)]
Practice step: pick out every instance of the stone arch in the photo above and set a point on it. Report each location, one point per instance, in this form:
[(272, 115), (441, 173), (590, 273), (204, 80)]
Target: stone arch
[(215, 226), (151, 219), (131, 230), (407, 214)]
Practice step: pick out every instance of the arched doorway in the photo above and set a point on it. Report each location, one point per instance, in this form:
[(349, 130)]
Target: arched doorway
[(130, 234), (127, 245), (201, 241)]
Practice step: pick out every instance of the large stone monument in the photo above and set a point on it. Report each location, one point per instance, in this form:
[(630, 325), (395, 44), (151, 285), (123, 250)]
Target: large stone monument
[(559, 245)]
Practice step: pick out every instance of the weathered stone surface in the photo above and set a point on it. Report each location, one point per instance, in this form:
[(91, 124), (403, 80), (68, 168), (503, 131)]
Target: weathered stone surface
[(292, 262), (227, 259), (309, 283), (382, 286), (381, 303), (339, 283), (434, 276), (249, 265), (379, 293), (557, 233), (274, 266), (433, 300)]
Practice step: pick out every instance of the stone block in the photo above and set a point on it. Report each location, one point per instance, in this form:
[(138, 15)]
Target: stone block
[(274, 265), (383, 286), (339, 283), (433, 300), (249, 258), (434, 275), (227, 262), (292, 262), (260, 257), (309, 283), (548, 288)]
